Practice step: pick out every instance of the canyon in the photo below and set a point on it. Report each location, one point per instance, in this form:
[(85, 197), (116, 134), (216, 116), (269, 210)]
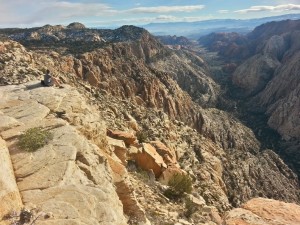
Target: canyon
[(124, 83)]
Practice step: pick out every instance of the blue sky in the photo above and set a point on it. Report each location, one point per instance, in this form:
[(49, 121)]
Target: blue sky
[(30, 13)]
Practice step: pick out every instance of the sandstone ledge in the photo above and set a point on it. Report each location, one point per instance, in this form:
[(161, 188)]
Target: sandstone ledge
[(70, 176)]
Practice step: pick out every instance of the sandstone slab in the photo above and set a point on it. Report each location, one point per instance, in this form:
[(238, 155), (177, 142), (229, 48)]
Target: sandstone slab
[(9, 193), (261, 211), (70, 176)]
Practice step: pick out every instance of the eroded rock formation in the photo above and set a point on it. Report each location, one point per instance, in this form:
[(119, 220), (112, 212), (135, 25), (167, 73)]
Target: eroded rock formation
[(129, 85), (268, 79)]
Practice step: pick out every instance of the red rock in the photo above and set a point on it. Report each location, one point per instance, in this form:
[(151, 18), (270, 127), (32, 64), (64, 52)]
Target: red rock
[(261, 211), (150, 159), (168, 154), (128, 138)]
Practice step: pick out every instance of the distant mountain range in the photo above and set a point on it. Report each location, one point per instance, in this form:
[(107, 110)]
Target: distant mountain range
[(200, 28)]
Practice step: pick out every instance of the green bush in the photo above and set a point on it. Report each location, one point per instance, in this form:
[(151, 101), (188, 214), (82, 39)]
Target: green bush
[(178, 185), (142, 136), (34, 138)]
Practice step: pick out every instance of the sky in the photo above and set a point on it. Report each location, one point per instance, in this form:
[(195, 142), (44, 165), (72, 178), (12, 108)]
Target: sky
[(114, 13)]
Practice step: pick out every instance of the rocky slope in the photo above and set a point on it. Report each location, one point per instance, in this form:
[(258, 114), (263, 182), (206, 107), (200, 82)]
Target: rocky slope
[(174, 40), (229, 45), (269, 79), (130, 86)]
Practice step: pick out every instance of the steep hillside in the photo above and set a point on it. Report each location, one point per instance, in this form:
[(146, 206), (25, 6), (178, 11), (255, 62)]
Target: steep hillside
[(269, 80), (132, 114)]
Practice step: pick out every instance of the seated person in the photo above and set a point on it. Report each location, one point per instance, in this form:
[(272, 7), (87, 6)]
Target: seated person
[(50, 80)]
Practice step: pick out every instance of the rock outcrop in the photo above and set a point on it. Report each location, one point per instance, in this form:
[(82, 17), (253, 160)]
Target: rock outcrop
[(268, 78), (281, 99), (260, 211), (254, 74), (69, 177), (228, 45)]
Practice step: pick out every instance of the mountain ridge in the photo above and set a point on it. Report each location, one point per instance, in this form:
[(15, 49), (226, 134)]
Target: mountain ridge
[(139, 86), (265, 74), (199, 28)]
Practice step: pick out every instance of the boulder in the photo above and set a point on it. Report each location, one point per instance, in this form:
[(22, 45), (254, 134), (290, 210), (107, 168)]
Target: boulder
[(168, 154), (150, 159), (128, 138)]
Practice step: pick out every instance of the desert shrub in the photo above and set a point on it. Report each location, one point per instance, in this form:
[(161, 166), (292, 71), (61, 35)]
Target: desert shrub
[(178, 185), (142, 136), (34, 138)]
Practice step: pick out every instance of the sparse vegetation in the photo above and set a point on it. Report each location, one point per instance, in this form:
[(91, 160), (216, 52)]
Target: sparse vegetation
[(178, 185), (34, 138), (142, 136)]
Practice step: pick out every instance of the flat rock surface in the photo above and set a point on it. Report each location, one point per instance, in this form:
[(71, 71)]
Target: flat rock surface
[(69, 177)]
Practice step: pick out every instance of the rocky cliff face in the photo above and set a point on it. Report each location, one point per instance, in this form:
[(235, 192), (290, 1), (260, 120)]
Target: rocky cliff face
[(131, 87), (174, 40), (229, 45), (269, 80)]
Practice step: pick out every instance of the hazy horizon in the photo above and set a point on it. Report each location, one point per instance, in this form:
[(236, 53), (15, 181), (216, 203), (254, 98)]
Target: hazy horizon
[(21, 13)]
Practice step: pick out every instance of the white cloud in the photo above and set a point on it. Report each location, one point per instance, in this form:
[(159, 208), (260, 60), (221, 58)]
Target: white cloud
[(39, 12), (158, 19), (166, 18), (165, 9), (278, 8), (142, 20), (68, 9), (223, 11)]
